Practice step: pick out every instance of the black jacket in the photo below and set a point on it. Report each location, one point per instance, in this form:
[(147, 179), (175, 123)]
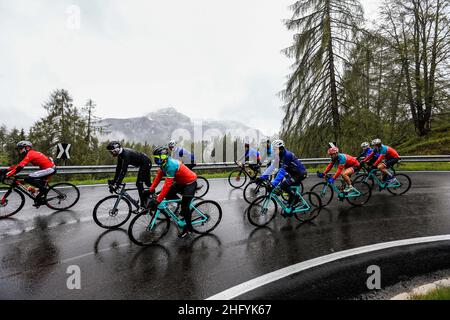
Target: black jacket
[(129, 157)]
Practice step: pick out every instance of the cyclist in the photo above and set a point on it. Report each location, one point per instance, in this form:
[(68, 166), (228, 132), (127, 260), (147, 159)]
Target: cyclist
[(251, 153), (367, 150), (39, 178), (386, 153), (186, 183), (132, 157), (346, 166), (181, 154), (291, 171)]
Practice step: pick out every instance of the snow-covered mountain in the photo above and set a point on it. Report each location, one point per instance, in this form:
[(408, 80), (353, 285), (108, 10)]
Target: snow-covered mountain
[(162, 125)]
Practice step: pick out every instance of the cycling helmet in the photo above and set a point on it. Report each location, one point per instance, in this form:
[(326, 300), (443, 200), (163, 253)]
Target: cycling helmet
[(161, 150), (23, 144), (376, 142), (365, 145), (172, 144), (113, 145), (278, 144), (333, 150)]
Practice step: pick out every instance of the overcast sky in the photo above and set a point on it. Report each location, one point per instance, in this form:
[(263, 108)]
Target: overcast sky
[(207, 58)]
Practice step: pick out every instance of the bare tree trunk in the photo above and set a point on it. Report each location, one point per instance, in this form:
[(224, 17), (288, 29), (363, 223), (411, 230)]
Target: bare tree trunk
[(333, 85)]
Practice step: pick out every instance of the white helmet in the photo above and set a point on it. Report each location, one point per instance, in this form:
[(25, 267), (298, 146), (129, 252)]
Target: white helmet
[(376, 142), (23, 144), (172, 144), (365, 145), (278, 144)]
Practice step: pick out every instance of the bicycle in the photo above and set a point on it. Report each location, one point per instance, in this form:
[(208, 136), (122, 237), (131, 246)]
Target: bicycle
[(115, 208), (256, 188), (234, 178), (359, 196), (263, 209), (59, 197), (202, 183), (365, 168), (399, 185), (147, 228)]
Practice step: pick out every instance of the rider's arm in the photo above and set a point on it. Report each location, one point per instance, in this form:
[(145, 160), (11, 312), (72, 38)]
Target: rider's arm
[(121, 171), (17, 168), (380, 158), (269, 170), (165, 189), (329, 167), (370, 156), (280, 176), (156, 181), (339, 171)]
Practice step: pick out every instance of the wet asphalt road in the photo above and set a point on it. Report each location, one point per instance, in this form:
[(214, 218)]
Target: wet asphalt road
[(37, 246)]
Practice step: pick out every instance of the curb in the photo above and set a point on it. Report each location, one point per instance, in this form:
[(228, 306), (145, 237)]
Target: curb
[(423, 290)]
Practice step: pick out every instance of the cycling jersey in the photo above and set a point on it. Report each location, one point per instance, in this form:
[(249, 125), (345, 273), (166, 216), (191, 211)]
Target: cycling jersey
[(289, 165), (385, 152), (130, 157), (343, 161), (173, 170), (183, 155), (251, 153), (34, 157), (367, 152), (272, 167)]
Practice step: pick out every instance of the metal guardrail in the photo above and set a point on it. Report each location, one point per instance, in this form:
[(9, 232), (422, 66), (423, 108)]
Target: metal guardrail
[(216, 166)]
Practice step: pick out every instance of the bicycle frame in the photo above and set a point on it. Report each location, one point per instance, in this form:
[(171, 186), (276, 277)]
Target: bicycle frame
[(287, 209), (355, 193), (124, 194), (372, 174), (244, 170), (180, 223), (19, 184)]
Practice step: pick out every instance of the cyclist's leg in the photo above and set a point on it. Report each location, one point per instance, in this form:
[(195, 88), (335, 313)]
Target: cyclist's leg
[(187, 196), (346, 174), (143, 177), (389, 164), (38, 180), (286, 187)]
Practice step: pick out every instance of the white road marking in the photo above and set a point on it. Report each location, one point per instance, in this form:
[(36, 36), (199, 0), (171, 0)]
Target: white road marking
[(263, 280)]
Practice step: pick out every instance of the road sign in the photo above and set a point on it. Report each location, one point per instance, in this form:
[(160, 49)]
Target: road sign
[(63, 151)]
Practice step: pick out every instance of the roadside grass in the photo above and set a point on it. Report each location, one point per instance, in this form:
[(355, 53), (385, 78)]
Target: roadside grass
[(438, 294)]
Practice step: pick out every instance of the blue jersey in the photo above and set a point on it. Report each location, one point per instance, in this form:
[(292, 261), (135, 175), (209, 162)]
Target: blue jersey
[(183, 155), (289, 165), (367, 152), (251, 153)]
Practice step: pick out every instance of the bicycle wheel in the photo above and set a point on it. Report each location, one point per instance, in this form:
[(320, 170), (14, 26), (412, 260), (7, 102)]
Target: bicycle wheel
[(366, 192), (202, 187), (254, 190), (62, 196), (206, 216), (401, 185), (112, 212), (325, 192), (237, 178), (314, 205), (365, 177), (145, 230), (262, 211), (11, 202)]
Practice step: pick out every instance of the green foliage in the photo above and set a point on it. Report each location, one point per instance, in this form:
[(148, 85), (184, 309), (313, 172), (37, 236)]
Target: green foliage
[(386, 88)]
